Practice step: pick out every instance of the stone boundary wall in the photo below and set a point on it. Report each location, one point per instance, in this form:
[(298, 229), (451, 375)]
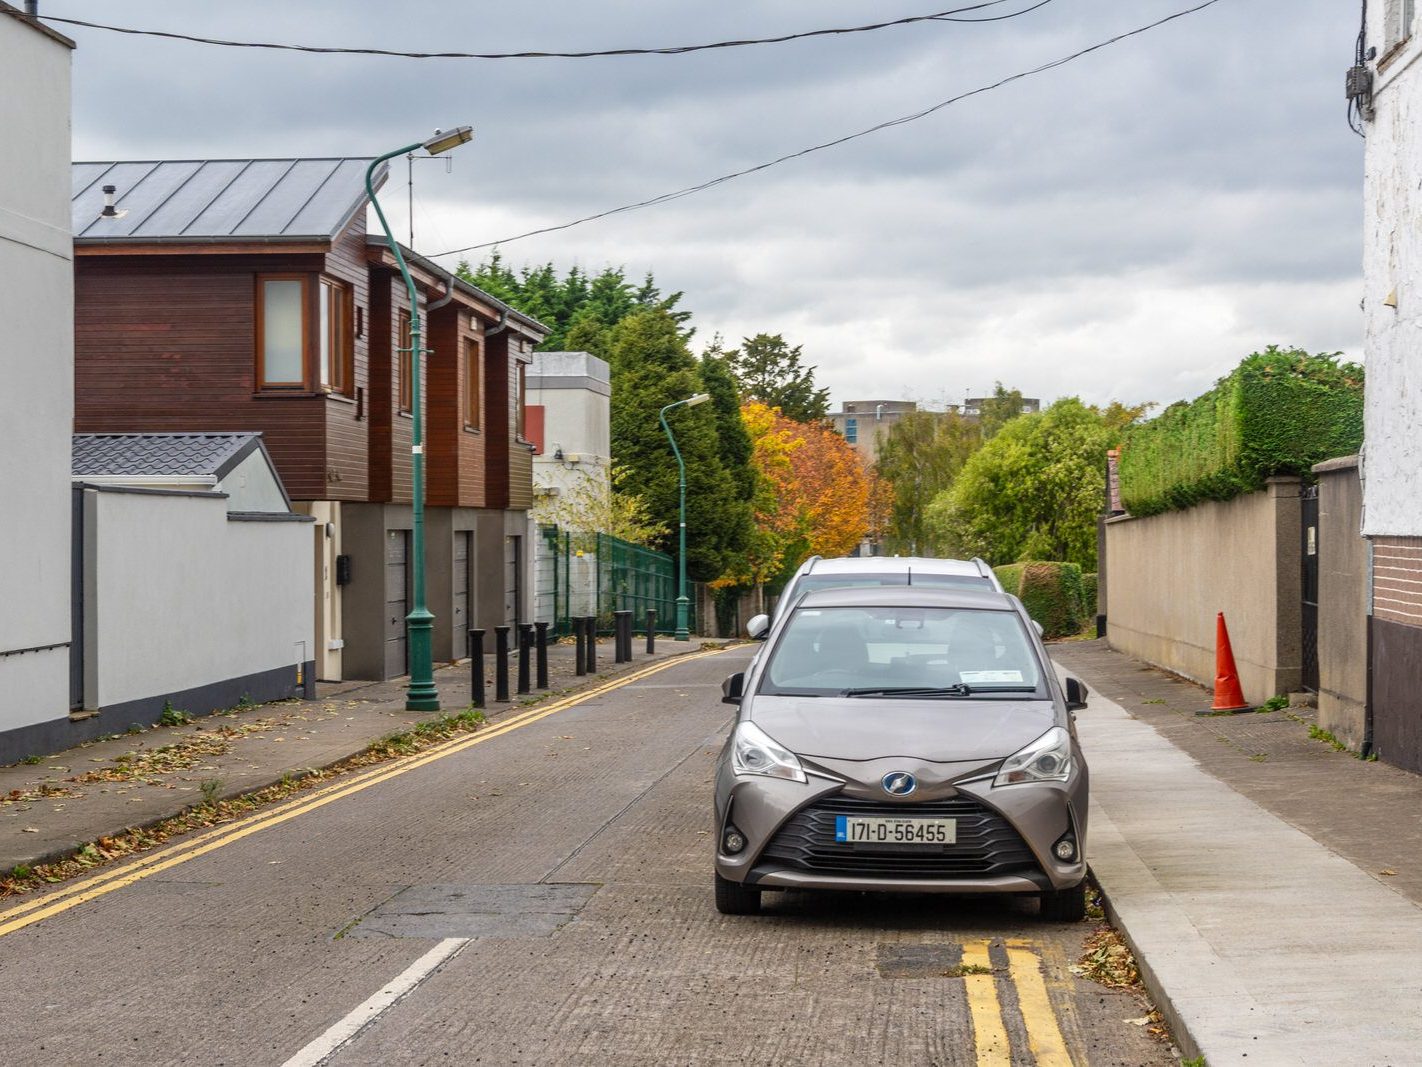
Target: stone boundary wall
[(1168, 575)]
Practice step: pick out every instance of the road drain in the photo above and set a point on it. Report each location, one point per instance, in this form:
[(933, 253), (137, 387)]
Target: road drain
[(506, 911)]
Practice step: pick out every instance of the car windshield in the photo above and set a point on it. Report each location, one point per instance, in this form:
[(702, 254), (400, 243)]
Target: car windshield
[(911, 652)]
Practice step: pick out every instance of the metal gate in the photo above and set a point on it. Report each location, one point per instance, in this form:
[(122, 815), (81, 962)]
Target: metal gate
[(397, 601), (1310, 555)]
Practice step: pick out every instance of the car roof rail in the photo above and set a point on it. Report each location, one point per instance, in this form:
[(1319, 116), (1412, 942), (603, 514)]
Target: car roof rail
[(809, 564), (982, 565)]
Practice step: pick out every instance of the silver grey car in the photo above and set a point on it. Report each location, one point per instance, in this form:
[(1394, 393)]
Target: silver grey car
[(903, 739)]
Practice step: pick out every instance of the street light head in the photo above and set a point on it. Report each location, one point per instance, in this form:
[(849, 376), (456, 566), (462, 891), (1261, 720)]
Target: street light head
[(699, 398), (444, 140)]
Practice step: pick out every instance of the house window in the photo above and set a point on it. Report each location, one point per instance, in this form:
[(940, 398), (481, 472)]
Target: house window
[(851, 430), (473, 393), (281, 334), (406, 381), (1400, 17), (336, 320)]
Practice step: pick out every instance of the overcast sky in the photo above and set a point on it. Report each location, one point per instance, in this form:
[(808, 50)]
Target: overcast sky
[(1126, 227)]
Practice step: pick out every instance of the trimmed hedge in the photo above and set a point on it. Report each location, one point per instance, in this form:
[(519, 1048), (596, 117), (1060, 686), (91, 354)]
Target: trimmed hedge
[(1089, 607), (1279, 412), (1052, 593)]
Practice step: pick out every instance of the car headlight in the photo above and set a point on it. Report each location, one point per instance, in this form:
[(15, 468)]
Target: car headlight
[(1047, 759), (753, 751)]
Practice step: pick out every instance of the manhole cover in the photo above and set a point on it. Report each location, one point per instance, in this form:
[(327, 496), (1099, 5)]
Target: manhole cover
[(508, 911), (918, 961)]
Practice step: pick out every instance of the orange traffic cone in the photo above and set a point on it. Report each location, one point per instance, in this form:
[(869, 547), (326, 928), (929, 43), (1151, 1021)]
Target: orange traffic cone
[(1228, 695)]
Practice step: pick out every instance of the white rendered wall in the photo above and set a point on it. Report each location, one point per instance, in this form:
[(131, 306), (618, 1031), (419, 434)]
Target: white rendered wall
[(37, 367), (1392, 268), (177, 596), (573, 389)]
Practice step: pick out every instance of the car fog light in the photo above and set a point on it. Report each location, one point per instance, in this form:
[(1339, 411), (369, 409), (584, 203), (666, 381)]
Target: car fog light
[(734, 841), (1065, 850)]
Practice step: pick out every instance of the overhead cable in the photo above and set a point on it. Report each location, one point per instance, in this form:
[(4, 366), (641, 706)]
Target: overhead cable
[(900, 121), (951, 15)]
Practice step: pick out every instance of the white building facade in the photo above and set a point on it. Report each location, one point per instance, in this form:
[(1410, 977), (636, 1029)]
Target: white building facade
[(570, 396), (37, 362), (1391, 55)]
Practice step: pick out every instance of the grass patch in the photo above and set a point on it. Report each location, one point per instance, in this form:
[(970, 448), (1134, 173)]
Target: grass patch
[(208, 814), (32, 760), (1318, 733), (1277, 702)]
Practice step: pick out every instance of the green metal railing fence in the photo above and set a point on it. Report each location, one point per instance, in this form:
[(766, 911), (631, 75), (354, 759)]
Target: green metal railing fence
[(597, 574)]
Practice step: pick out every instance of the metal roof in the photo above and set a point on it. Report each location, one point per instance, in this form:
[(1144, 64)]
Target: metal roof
[(200, 200), (127, 455)]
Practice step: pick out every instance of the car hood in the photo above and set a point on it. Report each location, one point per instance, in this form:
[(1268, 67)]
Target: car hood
[(940, 731)]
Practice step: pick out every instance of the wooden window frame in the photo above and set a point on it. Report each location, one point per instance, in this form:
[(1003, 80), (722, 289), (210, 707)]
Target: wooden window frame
[(473, 399), (404, 380), (259, 300), (521, 399), (337, 357)]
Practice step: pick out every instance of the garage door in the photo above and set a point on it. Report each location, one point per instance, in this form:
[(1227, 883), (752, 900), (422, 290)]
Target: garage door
[(512, 572), (462, 541), (397, 601)]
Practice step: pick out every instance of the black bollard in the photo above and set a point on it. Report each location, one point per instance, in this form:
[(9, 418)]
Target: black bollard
[(627, 637), (525, 650), (476, 668), (617, 637), (541, 644), (501, 663), (651, 630), (591, 622), (580, 647)]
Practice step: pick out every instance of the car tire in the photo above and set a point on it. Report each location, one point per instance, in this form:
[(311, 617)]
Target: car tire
[(732, 898), (1064, 905)]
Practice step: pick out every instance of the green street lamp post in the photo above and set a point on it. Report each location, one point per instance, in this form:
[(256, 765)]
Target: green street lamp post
[(682, 603), (420, 694)]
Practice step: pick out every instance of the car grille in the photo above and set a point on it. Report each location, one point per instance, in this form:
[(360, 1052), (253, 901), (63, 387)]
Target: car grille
[(987, 843)]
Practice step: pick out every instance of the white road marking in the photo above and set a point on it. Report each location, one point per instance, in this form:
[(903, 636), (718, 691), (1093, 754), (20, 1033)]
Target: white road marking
[(347, 1029)]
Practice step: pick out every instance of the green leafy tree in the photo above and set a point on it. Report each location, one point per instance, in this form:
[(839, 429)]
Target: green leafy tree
[(1032, 492), (652, 367), (770, 371), (919, 458), (577, 308), (998, 410)]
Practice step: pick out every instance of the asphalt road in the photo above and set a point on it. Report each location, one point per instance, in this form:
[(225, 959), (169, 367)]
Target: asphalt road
[(539, 893)]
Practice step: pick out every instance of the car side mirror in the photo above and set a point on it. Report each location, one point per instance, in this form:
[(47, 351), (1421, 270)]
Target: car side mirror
[(1076, 694), (733, 688), (758, 627)]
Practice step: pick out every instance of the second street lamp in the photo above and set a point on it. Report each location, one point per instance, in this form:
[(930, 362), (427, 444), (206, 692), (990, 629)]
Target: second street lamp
[(682, 603), (420, 693)]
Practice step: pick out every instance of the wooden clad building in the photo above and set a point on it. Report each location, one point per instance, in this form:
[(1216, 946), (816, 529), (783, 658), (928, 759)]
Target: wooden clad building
[(240, 295)]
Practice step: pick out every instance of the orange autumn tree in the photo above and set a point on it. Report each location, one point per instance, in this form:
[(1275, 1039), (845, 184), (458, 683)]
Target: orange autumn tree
[(812, 496)]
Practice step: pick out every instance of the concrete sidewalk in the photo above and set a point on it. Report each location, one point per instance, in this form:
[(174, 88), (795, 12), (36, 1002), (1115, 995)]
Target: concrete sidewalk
[(1268, 883), (138, 778)]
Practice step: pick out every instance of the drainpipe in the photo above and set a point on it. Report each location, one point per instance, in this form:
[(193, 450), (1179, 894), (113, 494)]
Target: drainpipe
[(448, 295), (32, 8), (1366, 749)]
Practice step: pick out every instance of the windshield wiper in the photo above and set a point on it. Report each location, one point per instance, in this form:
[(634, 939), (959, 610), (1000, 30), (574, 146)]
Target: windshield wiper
[(958, 690)]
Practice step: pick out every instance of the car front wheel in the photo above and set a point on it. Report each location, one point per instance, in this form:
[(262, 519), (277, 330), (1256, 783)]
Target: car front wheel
[(732, 898), (1065, 905)]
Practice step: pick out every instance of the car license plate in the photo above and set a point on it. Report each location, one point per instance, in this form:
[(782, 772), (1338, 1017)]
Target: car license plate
[(855, 829)]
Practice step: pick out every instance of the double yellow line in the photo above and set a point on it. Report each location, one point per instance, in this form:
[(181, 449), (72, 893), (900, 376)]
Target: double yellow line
[(150, 863), (1044, 1036)]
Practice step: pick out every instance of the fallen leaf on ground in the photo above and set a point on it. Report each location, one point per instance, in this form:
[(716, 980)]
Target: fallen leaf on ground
[(1387, 871)]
